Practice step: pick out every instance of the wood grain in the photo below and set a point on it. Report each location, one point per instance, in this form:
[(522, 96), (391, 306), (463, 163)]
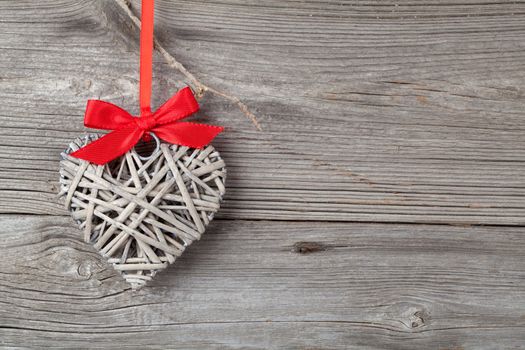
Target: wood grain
[(382, 121), (390, 112), (270, 285)]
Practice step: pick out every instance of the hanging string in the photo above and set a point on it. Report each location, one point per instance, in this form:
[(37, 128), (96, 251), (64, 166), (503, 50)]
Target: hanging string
[(146, 53)]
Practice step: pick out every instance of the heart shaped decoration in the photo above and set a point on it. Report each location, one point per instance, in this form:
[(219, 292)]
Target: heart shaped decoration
[(142, 214)]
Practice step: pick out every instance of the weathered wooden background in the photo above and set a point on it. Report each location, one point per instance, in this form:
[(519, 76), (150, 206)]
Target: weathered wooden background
[(380, 206)]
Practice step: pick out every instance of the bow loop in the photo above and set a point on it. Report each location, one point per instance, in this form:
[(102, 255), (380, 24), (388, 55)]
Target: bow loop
[(178, 107), (128, 130), (105, 115)]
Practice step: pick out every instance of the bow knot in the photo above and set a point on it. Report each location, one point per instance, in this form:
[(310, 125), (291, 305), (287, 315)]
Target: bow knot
[(146, 122), (128, 130)]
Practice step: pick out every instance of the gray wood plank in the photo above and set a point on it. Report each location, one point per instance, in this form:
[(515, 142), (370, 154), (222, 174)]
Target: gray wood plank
[(391, 111), (379, 112), (270, 285)]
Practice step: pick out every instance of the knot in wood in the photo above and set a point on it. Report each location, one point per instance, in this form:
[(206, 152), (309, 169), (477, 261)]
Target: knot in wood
[(308, 247)]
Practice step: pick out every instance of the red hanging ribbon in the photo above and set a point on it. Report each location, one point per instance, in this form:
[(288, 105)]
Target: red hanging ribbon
[(164, 122)]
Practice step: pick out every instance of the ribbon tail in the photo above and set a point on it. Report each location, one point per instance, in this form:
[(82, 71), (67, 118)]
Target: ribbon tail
[(188, 134), (110, 146)]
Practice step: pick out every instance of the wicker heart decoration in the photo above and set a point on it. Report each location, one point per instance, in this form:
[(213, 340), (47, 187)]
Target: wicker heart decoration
[(142, 214)]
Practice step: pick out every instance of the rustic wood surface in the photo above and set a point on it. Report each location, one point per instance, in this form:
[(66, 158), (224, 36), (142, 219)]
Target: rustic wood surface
[(376, 174)]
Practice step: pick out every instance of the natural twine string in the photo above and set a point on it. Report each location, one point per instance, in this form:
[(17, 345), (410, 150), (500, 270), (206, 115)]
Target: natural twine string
[(141, 215)]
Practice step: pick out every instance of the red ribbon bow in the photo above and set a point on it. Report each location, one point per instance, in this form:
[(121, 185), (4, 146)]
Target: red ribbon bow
[(128, 130)]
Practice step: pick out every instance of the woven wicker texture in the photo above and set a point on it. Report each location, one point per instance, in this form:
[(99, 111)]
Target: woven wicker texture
[(142, 214)]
